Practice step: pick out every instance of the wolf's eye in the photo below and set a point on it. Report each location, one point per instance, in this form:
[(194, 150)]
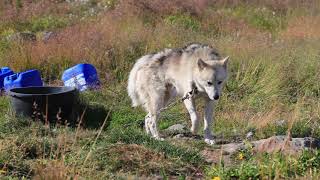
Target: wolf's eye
[(219, 82), (209, 83)]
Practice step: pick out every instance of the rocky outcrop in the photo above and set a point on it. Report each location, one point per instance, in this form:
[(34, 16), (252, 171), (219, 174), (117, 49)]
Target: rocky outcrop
[(22, 36)]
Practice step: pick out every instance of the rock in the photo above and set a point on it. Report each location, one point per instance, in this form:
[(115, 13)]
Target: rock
[(285, 144), (280, 122), (269, 145), (46, 36), (178, 136), (310, 142), (22, 36), (177, 128), (215, 156), (232, 148), (249, 135)]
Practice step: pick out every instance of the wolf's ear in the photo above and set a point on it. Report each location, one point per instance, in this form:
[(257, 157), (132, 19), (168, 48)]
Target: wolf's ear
[(225, 61), (201, 64)]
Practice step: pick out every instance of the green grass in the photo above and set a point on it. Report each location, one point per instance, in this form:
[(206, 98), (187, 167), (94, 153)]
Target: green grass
[(183, 20), (47, 23), (273, 82), (260, 17), (38, 24), (270, 166)]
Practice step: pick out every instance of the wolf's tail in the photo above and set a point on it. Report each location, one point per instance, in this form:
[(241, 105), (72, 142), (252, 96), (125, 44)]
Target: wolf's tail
[(132, 89)]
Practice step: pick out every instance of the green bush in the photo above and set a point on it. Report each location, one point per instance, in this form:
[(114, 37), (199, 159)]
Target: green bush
[(47, 23), (183, 20)]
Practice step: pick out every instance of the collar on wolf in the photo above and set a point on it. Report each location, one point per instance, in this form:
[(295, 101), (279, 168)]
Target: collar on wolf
[(191, 93)]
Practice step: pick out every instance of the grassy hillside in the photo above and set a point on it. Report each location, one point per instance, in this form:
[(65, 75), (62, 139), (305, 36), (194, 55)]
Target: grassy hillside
[(274, 49)]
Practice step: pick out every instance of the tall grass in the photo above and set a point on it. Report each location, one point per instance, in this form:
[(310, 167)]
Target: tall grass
[(274, 77)]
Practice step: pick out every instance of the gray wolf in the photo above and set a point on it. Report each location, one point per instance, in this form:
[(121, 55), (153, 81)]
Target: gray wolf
[(157, 78)]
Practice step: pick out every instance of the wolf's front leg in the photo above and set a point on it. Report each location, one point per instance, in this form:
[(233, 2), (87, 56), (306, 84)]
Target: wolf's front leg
[(208, 118), (189, 103)]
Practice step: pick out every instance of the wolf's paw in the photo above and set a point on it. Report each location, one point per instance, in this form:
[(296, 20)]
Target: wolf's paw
[(148, 130), (209, 141)]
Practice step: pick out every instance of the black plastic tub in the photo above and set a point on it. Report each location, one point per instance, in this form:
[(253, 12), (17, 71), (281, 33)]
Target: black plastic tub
[(52, 104)]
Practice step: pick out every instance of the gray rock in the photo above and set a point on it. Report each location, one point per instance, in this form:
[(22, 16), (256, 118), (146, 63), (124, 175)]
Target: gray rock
[(280, 122), (22, 36), (285, 144), (310, 142), (249, 135), (178, 136), (46, 36), (232, 148), (177, 128)]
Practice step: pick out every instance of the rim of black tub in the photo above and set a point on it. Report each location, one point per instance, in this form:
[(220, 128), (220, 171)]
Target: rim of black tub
[(40, 90)]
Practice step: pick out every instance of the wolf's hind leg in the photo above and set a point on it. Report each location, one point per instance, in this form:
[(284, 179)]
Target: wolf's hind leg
[(147, 122), (208, 117), (154, 127), (189, 103), (156, 103)]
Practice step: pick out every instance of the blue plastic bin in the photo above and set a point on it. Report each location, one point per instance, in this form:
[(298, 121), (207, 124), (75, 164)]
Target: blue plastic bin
[(23, 79), (81, 76), (4, 72)]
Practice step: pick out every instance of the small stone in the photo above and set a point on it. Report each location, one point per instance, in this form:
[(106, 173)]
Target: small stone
[(48, 36), (280, 122), (177, 127), (249, 135), (178, 136)]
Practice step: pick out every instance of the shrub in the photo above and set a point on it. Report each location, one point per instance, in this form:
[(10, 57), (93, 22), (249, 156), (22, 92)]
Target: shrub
[(47, 23)]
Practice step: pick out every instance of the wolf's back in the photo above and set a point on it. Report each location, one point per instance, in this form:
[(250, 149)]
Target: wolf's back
[(132, 88), (142, 62)]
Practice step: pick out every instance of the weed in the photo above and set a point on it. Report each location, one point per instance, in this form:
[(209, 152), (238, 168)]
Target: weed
[(272, 89), (269, 166), (183, 20), (47, 23)]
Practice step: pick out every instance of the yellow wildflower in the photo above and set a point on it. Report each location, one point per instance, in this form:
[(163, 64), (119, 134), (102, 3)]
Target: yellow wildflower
[(216, 178), (241, 156)]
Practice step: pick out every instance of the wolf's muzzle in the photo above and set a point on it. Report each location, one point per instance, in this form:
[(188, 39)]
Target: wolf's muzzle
[(216, 97)]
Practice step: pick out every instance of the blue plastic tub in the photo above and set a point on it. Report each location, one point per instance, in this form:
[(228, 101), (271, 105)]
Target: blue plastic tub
[(4, 72), (23, 79), (81, 76)]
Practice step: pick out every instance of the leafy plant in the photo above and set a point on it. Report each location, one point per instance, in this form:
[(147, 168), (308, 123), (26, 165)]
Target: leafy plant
[(183, 20)]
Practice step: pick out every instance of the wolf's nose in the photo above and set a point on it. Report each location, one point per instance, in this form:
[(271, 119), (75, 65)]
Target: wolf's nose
[(216, 97)]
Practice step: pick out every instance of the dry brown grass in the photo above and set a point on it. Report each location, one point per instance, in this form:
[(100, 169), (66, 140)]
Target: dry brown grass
[(136, 158), (304, 27), (107, 41), (52, 170), (163, 7), (280, 6), (28, 9), (117, 37), (265, 74)]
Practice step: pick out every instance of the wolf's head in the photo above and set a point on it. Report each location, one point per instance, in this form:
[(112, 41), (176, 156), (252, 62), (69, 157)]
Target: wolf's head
[(210, 77)]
